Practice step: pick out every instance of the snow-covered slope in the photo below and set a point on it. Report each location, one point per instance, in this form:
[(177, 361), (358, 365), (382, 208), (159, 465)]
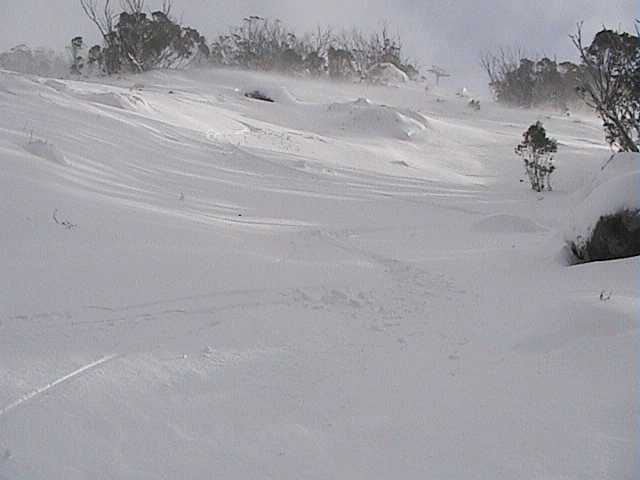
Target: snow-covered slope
[(348, 283)]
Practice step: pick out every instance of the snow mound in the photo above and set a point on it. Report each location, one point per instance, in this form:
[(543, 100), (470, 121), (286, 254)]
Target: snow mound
[(387, 74), (126, 101), (617, 165), (614, 166), (366, 118), (614, 189), (47, 151), (276, 94), (612, 196), (101, 95), (503, 223), (57, 85)]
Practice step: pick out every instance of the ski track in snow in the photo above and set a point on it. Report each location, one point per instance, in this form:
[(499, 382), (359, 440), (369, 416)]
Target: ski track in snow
[(35, 393)]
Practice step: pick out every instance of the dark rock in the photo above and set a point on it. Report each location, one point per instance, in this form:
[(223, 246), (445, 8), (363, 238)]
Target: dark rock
[(258, 95)]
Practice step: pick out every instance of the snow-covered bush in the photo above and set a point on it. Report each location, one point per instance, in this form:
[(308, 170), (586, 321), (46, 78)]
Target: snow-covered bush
[(614, 236), (474, 105), (270, 45), (536, 149), (75, 49), (606, 222), (264, 44)]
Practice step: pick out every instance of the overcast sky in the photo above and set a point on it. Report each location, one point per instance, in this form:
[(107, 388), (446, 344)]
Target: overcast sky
[(446, 32)]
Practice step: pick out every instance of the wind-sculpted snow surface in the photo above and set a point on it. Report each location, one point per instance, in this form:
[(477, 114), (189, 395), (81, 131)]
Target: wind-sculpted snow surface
[(506, 224), (197, 284), (364, 118), (46, 151)]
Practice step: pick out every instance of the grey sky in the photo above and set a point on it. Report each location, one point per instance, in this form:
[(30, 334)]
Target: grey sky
[(447, 32)]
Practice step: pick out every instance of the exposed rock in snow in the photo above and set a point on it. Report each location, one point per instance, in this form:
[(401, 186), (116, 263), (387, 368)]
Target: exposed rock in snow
[(258, 95), (272, 94)]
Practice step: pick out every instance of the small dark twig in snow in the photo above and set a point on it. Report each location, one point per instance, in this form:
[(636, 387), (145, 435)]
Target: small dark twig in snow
[(63, 223), (605, 295)]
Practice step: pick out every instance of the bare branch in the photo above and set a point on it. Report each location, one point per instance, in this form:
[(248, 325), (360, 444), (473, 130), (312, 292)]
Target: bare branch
[(104, 22)]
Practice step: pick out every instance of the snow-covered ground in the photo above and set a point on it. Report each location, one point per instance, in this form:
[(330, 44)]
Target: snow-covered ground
[(348, 283)]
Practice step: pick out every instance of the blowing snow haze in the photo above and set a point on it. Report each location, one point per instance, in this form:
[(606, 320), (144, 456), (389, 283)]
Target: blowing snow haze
[(446, 32)]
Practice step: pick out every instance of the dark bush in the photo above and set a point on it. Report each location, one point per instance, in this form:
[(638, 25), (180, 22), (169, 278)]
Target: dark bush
[(614, 236), (139, 42), (520, 81), (536, 150)]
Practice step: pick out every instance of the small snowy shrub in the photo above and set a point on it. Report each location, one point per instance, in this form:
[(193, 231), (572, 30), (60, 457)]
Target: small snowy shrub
[(75, 50), (474, 105), (536, 149)]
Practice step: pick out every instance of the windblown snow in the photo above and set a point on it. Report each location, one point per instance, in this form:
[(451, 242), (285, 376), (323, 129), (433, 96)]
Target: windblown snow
[(350, 282)]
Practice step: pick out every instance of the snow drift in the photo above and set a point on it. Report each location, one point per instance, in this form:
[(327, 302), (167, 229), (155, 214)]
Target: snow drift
[(614, 191)]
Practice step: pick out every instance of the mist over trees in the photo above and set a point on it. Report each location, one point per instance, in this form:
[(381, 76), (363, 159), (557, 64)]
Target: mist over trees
[(37, 61), (136, 41), (517, 80), (270, 45)]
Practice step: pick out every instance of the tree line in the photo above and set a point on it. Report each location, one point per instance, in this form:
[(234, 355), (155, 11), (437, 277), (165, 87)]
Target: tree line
[(607, 79), (135, 40)]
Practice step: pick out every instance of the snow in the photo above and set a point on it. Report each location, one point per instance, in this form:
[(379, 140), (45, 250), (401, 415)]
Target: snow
[(502, 223), (350, 282), (46, 151)]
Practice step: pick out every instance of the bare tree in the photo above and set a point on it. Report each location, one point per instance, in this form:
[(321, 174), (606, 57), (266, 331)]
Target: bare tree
[(499, 63), (610, 84), (132, 6)]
